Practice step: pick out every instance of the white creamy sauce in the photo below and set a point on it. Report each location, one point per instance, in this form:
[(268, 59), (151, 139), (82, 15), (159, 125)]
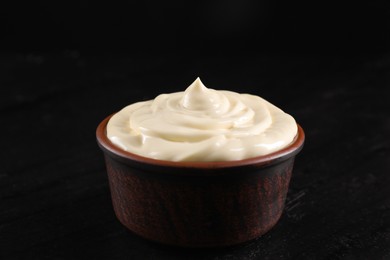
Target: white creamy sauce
[(202, 124)]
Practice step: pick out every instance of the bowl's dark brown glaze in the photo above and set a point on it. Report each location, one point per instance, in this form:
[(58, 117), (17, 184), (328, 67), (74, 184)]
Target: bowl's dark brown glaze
[(198, 204)]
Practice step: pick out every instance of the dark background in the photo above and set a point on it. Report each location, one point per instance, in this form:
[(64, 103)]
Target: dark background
[(214, 27), (65, 66)]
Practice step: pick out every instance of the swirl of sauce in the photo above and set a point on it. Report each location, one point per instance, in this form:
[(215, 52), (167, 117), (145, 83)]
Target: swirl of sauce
[(202, 124)]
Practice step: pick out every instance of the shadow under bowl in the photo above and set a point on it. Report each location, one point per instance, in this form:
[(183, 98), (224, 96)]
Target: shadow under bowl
[(198, 204)]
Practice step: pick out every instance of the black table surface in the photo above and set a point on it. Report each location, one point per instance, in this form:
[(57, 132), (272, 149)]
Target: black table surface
[(54, 197)]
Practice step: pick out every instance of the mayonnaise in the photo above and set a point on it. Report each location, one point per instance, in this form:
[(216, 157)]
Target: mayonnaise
[(202, 124)]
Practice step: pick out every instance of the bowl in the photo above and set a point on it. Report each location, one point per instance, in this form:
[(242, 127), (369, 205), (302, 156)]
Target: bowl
[(198, 204)]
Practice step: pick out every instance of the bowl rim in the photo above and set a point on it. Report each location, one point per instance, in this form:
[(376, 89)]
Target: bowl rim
[(107, 146)]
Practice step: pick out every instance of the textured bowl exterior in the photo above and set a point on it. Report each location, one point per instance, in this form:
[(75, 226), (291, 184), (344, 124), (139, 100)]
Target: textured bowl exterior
[(198, 204)]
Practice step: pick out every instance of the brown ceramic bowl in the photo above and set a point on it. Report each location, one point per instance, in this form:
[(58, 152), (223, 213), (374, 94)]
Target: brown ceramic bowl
[(198, 204)]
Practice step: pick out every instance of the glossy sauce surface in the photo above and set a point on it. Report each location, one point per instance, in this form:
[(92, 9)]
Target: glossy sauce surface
[(202, 124)]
